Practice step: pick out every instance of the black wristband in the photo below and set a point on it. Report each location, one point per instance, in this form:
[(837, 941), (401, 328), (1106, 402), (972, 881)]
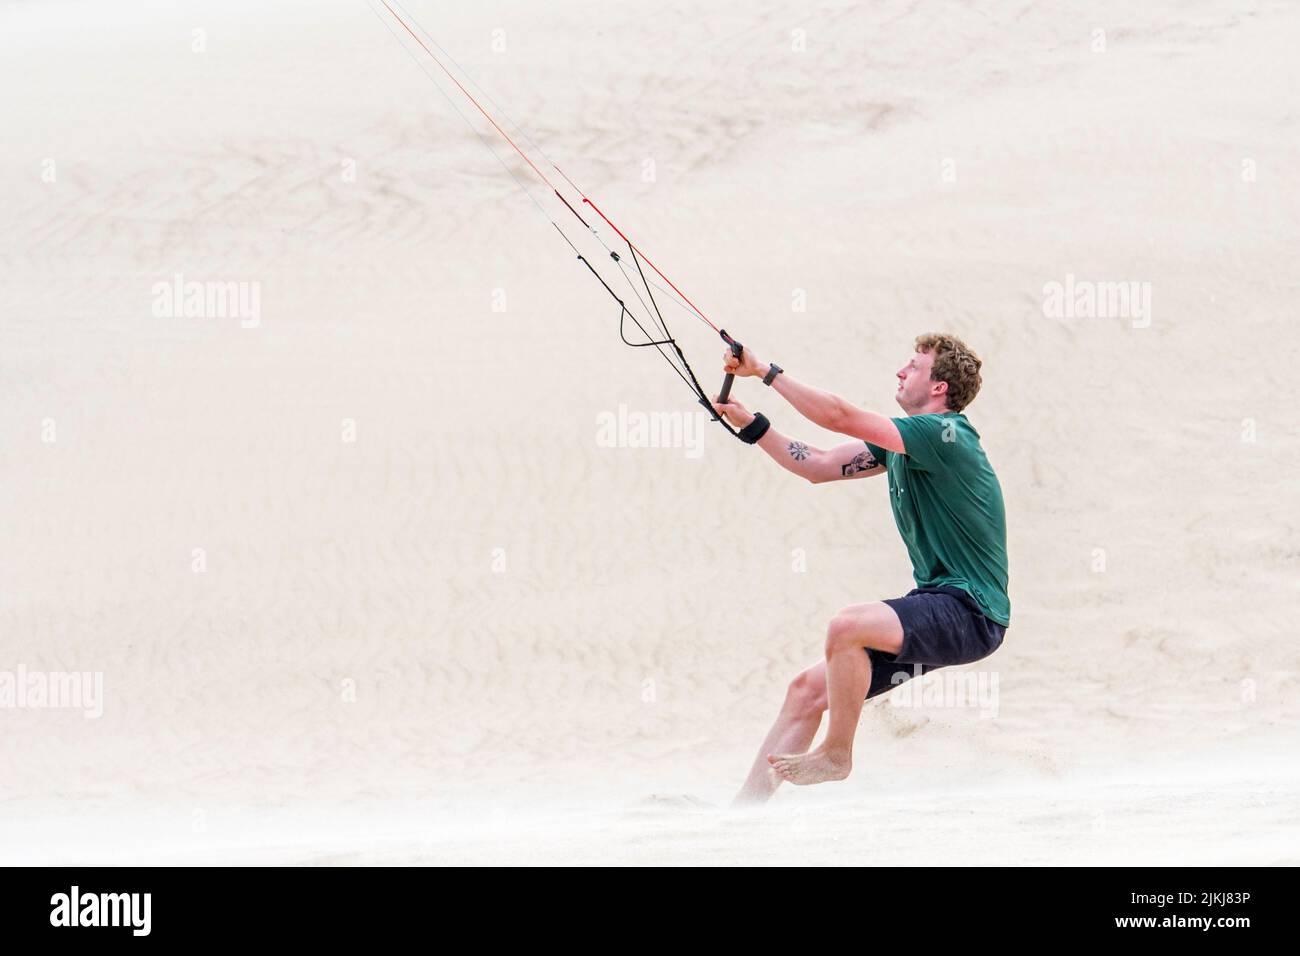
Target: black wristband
[(755, 429)]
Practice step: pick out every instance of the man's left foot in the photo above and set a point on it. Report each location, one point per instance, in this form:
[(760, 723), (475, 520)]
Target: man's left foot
[(816, 766)]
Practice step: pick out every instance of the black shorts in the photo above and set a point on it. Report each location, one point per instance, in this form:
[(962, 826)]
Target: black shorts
[(941, 626)]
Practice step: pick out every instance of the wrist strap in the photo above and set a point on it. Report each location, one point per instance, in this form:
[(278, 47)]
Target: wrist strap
[(755, 429), (773, 371)]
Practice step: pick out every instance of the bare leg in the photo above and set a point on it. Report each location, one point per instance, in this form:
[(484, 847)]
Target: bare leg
[(848, 678), (793, 732)]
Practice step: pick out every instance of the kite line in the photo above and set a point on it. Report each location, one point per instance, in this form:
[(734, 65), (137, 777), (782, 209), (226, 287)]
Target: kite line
[(657, 336)]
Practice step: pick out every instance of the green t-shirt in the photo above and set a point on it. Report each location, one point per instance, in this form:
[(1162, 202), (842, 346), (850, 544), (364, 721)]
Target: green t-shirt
[(948, 507)]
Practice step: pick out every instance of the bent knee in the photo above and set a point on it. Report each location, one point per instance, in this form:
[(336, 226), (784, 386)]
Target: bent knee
[(842, 631), (806, 694), (866, 625)]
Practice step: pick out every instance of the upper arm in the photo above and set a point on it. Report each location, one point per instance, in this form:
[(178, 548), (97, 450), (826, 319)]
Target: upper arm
[(852, 459), (870, 427)]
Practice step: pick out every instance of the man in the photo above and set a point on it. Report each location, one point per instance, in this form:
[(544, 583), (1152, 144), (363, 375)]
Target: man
[(947, 504)]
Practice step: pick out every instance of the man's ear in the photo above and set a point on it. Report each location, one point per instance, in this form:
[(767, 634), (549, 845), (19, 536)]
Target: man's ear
[(940, 388)]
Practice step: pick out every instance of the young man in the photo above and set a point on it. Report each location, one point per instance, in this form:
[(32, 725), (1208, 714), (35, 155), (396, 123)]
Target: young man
[(948, 508)]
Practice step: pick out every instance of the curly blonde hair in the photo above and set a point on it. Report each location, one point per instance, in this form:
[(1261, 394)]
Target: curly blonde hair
[(954, 363)]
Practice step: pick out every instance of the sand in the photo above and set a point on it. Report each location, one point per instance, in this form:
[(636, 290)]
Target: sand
[(362, 579)]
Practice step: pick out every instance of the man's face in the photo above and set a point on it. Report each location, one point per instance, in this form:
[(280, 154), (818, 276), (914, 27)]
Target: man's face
[(914, 386)]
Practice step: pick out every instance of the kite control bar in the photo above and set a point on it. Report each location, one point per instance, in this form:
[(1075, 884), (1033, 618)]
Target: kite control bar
[(758, 425), (737, 350)]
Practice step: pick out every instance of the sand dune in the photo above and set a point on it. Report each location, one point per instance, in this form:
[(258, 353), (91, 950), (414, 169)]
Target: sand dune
[(433, 620)]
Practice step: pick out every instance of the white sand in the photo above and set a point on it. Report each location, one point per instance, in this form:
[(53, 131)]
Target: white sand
[(600, 698)]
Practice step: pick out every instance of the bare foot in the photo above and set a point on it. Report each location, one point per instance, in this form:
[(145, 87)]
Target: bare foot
[(816, 766)]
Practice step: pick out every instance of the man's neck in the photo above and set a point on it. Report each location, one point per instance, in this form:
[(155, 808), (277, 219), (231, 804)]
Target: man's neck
[(932, 410)]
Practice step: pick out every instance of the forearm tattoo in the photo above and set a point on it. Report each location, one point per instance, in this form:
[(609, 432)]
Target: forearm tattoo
[(863, 462), (798, 450)]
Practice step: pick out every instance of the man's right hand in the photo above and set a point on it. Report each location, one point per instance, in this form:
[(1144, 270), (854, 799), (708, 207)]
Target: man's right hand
[(746, 366)]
